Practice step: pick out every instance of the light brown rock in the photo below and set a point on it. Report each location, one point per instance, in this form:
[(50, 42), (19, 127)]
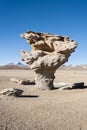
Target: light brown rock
[(48, 53)]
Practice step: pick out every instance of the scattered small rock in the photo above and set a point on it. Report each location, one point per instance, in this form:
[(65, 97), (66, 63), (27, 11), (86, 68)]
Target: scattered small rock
[(63, 86), (27, 82), (11, 92), (24, 82), (15, 80), (69, 86), (78, 85)]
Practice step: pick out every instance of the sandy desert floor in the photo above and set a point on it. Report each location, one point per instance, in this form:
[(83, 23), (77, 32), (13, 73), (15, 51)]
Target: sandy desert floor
[(43, 109)]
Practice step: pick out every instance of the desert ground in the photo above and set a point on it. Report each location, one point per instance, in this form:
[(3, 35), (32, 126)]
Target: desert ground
[(43, 109)]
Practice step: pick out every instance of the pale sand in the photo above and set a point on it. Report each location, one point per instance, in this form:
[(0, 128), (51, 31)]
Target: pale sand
[(43, 109)]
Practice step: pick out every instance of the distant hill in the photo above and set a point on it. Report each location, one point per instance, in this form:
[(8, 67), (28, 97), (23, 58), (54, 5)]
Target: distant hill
[(19, 65), (73, 67), (16, 65)]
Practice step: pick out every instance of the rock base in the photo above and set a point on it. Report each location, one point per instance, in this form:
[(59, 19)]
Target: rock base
[(44, 79)]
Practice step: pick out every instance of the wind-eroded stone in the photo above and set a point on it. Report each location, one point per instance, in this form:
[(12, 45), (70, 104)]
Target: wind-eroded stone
[(48, 53)]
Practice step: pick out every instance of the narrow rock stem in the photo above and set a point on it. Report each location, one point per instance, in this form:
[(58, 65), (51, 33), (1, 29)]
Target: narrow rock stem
[(44, 79)]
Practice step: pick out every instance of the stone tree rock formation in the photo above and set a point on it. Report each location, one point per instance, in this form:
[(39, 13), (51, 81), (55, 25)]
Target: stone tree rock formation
[(48, 53)]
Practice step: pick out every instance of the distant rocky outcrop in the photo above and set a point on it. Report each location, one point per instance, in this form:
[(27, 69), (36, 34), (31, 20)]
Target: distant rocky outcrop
[(48, 53)]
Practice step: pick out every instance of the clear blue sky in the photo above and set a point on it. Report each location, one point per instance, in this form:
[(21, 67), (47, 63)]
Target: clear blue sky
[(63, 17)]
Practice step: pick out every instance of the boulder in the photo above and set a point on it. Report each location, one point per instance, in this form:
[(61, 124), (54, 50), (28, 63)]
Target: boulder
[(11, 92), (79, 85)]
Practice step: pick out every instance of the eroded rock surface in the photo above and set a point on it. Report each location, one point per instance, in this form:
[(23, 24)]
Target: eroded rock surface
[(48, 53)]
